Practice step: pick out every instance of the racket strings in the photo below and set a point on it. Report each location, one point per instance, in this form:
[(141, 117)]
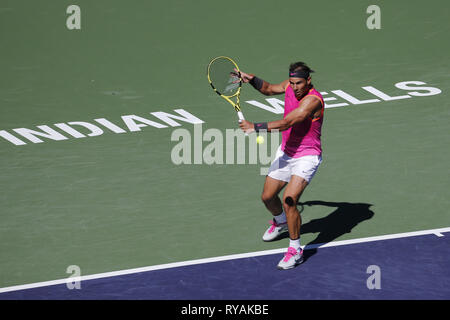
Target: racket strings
[(223, 77)]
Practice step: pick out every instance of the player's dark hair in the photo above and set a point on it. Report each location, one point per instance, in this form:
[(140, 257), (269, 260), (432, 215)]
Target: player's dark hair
[(300, 66)]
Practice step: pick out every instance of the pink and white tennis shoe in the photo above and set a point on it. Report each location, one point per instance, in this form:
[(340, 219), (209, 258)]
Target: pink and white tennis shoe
[(291, 259), (275, 230)]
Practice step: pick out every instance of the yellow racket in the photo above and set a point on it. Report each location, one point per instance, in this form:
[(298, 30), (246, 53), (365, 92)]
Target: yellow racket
[(225, 79)]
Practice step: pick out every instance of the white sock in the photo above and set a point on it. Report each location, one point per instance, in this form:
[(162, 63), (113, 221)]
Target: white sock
[(281, 218), (295, 244)]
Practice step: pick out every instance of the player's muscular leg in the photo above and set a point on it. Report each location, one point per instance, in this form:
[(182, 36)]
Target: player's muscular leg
[(291, 196), (272, 188)]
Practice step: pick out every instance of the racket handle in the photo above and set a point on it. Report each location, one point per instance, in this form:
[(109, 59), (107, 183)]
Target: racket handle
[(241, 117)]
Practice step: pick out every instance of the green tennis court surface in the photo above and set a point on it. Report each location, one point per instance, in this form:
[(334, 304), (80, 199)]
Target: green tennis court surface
[(114, 201)]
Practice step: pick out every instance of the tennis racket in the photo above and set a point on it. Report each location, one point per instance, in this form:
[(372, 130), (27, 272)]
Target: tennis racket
[(225, 79)]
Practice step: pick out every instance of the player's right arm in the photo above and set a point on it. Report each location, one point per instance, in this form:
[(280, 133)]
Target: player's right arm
[(264, 87)]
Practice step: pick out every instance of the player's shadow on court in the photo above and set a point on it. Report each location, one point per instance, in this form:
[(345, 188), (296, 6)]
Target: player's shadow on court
[(342, 220)]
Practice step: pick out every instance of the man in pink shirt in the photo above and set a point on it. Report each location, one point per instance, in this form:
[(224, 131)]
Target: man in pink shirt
[(298, 156)]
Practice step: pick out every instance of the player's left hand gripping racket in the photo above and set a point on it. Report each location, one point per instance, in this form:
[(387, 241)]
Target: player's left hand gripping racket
[(225, 79)]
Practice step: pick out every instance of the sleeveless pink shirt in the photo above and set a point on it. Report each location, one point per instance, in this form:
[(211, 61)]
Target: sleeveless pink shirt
[(302, 139)]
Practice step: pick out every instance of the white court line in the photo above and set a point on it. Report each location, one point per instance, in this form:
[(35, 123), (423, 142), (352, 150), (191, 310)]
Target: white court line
[(436, 232)]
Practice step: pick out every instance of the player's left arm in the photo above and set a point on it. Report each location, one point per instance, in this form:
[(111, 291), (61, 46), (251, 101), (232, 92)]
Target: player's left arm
[(309, 107)]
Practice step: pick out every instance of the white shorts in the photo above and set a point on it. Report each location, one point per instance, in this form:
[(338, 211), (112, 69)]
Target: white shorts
[(283, 166)]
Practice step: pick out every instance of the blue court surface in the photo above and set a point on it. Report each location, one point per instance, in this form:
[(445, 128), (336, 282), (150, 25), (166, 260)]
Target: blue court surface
[(410, 267)]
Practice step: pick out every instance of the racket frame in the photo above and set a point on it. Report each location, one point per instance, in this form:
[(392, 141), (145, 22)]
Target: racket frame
[(236, 105)]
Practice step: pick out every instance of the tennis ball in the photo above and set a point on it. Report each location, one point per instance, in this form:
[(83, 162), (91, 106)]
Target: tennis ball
[(260, 139)]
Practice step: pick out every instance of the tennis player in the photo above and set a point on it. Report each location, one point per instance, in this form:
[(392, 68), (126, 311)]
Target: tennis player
[(298, 157)]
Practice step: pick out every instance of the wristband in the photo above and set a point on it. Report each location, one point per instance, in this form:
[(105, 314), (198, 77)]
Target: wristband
[(256, 82), (260, 126)]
